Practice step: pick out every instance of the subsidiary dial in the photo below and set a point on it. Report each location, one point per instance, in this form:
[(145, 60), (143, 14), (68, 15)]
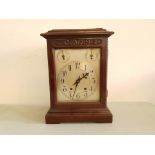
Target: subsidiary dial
[(63, 56), (92, 55)]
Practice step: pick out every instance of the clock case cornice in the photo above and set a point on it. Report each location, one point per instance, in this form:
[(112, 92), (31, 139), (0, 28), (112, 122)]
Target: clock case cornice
[(97, 32)]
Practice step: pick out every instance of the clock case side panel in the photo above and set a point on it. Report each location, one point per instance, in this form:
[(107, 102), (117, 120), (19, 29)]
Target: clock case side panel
[(55, 106), (103, 73), (52, 73)]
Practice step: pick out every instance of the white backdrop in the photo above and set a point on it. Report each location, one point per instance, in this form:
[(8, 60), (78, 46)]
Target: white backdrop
[(23, 59)]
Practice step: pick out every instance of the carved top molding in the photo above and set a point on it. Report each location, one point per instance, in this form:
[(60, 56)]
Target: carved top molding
[(76, 42)]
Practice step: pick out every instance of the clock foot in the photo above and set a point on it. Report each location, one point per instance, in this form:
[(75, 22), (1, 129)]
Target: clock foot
[(98, 116)]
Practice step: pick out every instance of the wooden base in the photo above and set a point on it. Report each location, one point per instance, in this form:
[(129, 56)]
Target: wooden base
[(99, 116)]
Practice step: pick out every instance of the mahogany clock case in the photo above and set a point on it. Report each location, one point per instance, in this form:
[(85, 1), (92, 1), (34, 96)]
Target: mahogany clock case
[(70, 111)]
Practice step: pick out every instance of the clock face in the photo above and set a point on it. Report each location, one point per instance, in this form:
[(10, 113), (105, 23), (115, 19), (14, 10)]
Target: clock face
[(77, 74)]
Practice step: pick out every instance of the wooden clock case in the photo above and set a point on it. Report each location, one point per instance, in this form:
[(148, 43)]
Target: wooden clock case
[(78, 112)]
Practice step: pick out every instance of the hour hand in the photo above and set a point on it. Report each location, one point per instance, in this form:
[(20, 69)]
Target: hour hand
[(77, 81)]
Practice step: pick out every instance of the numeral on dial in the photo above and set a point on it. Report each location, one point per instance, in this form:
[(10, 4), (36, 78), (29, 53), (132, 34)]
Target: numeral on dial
[(69, 67), (93, 80), (77, 65), (62, 80), (91, 87), (77, 96), (64, 89), (85, 67), (91, 71), (64, 73), (85, 94)]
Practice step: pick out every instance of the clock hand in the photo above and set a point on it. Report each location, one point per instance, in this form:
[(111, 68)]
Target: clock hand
[(91, 55), (79, 79), (76, 83), (63, 56)]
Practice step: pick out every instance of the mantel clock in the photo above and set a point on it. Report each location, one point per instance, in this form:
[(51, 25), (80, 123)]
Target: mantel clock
[(77, 61)]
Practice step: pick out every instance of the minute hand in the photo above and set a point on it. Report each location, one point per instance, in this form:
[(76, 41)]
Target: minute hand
[(79, 79)]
